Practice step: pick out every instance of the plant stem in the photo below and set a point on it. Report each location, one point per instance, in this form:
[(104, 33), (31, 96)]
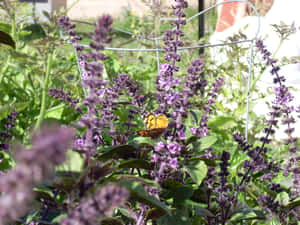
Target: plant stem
[(4, 69), (45, 91)]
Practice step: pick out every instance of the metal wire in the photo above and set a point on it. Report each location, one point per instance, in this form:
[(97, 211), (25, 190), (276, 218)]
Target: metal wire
[(157, 49)]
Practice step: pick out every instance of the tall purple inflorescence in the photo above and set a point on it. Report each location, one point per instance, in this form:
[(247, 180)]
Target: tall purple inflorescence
[(33, 166), (281, 105), (91, 210), (257, 162), (5, 136), (64, 22), (102, 93)]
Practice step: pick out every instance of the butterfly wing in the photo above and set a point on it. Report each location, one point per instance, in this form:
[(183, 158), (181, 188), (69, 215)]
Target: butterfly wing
[(155, 125), (144, 133), (161, 121), (154, 133), (150, 121)]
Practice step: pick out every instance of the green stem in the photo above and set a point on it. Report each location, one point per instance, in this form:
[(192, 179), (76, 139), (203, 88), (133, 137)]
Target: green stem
[(30, 80), (4, 69), (45, 92), (13, 22), (279, 46)]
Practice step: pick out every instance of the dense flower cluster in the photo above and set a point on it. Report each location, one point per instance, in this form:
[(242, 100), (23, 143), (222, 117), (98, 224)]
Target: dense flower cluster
[(92, 209), (103, 94), (5, 136), (165, 159), (66, 98), (166, 82), (64, 22), (33, 166)]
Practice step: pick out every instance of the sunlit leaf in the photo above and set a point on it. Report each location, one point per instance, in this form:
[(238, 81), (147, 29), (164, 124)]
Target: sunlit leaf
[(197, 171), (5, 110), (138, 193), (135, 163), (122, 151)]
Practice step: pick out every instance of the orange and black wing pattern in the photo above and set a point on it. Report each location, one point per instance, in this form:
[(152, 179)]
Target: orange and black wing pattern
[(155, 125)]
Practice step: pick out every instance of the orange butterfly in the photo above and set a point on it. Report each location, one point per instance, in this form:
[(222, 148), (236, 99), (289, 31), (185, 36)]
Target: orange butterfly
[(155, 125)]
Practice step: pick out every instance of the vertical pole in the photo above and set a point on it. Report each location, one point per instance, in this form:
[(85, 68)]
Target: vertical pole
[(201, 23)]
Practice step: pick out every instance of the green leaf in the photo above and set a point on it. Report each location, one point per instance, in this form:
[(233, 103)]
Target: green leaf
[(58, 218), (295, 203), (5, 110), (139, 194), (127, 177), (125, 213), (44, 192), (199, 210), (197, 171), (135, 163), (209, 162), (222, 122), (5, 27), (154, 213), (30, 217), (122, 151), (74, 162), (178, 217), (194, 116), (55, 112), (191, 140), (6, 39), (111, 221), (244, 212), (6, 161), (66, 180), (207, 142), (181, 194), (283, 198), (33, 32)]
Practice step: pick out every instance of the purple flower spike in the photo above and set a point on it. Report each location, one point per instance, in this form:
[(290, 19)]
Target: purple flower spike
[(33, 166), (6, 136), (101, 204)]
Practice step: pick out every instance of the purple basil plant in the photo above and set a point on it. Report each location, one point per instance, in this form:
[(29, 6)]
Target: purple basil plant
[(170, 153)]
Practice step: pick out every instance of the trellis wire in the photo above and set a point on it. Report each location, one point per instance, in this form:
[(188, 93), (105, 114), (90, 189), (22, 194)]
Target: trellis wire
[(157, 49)]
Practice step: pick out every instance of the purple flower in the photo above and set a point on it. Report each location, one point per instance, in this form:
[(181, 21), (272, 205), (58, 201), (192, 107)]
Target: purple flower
[(78, 143), (6, 136), (33, 166), (66, 98), (181, 135), (99, 205), (280, 106), (174, 163), (69, 28), (174, 148), (159, 146), (194, 130), (155, 158)]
